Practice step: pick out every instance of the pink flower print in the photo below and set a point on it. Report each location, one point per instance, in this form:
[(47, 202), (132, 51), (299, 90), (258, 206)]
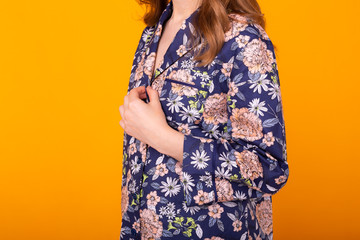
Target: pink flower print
[(124, 199), (242, 40), (136, 225), (143, 151), (268, 139), (257, 57), (161, 170), (158, 30), (184, 128), (132, 149), (226, 69), (202, 197), (139, 72), (215, 109), (281, 179), (149, 64), (264, 216), (233, 89), (181, 51), (178, 170), (152, 198), (224, 190), (249, 164), (245, 124), (237, 224), (215, 210), (151, 227)]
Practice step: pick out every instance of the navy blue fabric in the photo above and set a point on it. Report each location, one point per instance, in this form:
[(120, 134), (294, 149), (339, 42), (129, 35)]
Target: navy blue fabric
[(230, 112)]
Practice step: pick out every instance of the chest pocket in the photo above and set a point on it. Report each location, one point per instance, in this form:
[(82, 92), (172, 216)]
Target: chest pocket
[(182, 97)]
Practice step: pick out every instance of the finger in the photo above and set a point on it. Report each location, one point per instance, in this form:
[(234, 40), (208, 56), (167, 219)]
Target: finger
[(142, 95), (122, 124), (126, 102), (121, 109), (153, 95), (135, 93)]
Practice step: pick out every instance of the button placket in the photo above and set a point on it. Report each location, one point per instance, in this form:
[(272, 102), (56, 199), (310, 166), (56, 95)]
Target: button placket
[(137, 197)]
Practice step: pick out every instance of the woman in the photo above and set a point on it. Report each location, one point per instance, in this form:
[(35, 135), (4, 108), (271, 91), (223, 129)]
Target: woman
[(204, 136)]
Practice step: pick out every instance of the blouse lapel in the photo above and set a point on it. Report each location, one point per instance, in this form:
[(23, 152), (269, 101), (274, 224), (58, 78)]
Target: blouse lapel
[(180, 45), (152, 46)]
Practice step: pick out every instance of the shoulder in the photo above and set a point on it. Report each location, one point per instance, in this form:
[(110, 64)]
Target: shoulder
[(245, 34), (145, 37), (241, 25), (247, 43), (247, 50), (146, 34)]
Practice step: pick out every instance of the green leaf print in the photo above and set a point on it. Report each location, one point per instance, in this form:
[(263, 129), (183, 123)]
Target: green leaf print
[(192, 103), (202, 108), (187, 232), (185, 227), (144, 177), (157, 72), (203, 93), (170, 226)]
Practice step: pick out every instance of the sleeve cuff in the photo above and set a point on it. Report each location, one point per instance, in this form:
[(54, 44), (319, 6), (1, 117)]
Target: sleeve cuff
[(198, 171)]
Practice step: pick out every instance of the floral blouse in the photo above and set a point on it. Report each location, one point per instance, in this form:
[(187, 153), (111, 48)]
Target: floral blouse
[(230, 112)]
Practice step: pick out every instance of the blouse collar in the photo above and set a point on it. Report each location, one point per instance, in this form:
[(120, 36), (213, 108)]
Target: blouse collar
[(181, 43)]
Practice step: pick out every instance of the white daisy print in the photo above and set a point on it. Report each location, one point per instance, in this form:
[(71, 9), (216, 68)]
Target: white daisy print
[(192, 209), (274, 91), (200, 159), (191, 114), (135, 167), (175, 104), (205, 76), (188, 182), (227, 162), (187, 64), (170, 187), (257, 107), (163, 210), (207, 179), (221, 173), (147, 34), (211, 131), (259, 84), (240, 195)]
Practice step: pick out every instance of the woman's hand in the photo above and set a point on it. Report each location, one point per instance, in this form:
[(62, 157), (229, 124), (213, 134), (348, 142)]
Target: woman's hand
[(147, 122), (142, 120)]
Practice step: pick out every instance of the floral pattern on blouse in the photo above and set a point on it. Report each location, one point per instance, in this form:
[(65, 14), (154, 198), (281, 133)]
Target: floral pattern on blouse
[(231, 115)]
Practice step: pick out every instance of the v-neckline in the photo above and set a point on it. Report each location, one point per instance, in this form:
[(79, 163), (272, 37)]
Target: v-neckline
[(154, 68), (157, 70)]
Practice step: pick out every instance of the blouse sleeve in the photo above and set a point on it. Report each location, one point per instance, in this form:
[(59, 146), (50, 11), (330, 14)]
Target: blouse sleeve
[(250, 159)]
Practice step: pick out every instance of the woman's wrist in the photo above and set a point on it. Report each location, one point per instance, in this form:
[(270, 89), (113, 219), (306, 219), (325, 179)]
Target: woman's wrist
[(169, 142)]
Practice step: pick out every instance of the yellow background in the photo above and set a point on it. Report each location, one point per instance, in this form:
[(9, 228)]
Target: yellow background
[(64, 70)]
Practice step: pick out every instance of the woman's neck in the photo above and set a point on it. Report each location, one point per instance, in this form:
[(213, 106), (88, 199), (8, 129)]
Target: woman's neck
[(183, 9)]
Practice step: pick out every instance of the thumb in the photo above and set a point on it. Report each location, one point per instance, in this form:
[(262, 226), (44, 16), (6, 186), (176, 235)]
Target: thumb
[(153, 95)]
